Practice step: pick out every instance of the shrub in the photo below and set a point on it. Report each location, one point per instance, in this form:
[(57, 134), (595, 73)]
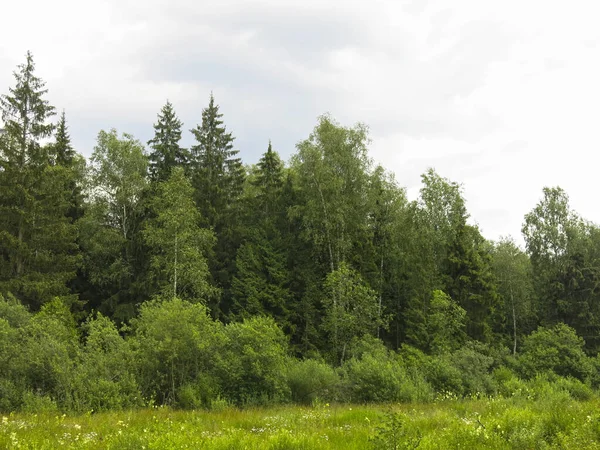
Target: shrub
[(443, 376), (310, 379), (474, 367), (105, 378), (252, 367), (49, 349), (558, 350), (372, 378), (175, 344)]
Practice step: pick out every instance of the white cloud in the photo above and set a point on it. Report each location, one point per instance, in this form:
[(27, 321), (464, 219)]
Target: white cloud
[(501, 97)]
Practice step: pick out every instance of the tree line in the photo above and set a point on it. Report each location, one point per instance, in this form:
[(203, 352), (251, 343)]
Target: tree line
[(327, 247)]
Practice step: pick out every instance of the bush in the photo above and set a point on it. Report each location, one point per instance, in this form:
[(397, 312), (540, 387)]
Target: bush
[(474, 367), (105, 378), (443, 376), (252, 367), (175, 344), (558, 350), (310, 379), (372, 378), (49, 350), (35, 403)]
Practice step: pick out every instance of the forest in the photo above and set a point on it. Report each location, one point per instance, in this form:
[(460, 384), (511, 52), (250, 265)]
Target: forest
[(151, 274)]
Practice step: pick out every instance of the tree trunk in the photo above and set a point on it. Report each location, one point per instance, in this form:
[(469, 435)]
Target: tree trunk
[(175, 270), (512, 299)]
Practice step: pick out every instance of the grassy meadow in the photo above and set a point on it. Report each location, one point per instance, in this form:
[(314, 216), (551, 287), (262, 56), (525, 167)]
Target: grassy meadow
[(515, 423)]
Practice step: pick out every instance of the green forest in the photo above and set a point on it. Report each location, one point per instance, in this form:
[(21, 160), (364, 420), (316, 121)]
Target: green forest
[(151, 274)]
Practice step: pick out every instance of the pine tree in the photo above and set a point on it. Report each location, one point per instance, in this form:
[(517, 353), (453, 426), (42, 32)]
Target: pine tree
[(166, 151), (218, 178), (62, 151), (63, 154), (26, 115), (269, 181), (218, 173), (260, 285), (38, 253)]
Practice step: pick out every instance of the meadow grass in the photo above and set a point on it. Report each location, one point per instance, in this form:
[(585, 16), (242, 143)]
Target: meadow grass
[(515, 423)]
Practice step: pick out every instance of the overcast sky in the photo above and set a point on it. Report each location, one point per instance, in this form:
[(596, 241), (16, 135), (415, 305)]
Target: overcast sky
[(503, 97)]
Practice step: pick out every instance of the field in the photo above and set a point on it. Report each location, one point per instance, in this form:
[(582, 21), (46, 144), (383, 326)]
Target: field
[(557, 422)]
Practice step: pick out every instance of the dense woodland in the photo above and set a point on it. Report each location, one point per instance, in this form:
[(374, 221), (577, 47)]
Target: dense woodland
[(153, 273)]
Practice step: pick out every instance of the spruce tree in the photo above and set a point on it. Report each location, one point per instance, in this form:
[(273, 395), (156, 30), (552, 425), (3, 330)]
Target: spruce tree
[(62, 154), (218, 178), (260, 284), (38, 253), (269, 181), (62, 151), (166, 151)]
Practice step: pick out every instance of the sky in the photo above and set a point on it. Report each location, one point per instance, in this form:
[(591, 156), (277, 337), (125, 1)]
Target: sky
[(502, 97)]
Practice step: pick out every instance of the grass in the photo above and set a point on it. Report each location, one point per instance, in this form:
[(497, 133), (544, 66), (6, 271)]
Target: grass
[(516, 423)]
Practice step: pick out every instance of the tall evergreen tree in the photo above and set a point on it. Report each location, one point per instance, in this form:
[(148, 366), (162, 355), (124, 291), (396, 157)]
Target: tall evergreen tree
[(260, 285), (62, 151), (269, 182), (218, 178), (166, 152), (37, 240), (63, 154)]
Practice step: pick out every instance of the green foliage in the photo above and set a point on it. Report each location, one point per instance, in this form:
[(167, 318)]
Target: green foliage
[(179, 247), (105, 375), (445, 324), (332, 168), (110, 230), (391, 433), (260, 284), (512, 269), (558, 350), (475, 368), (374, 374), (166, 153), (351, 310), (175, 344), (35, 264), (252, 367), (309, 380), (218, 179)]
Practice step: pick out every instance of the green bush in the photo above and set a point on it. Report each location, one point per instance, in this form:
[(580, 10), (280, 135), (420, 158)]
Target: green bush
[(558, 350), (252, 366), (443, 376), (310, 379), (105, 379), (49, 350), (372, 378), (576, 388), (175, 343), (36, 403), (474, 367)]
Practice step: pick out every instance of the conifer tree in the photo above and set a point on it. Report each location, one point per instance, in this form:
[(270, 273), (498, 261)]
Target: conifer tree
[(260, 285), (37, 240), (62, 151), (218, 178), (269, 181), (62, 154), (166, 152)]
